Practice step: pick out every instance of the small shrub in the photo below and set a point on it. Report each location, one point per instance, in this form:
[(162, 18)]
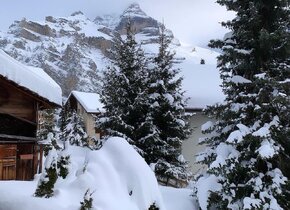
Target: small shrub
[(46, 182), (87, 204), (153, 207), (62, 165)]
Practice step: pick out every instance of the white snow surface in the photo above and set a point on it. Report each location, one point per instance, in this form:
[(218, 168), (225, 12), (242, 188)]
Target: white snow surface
[(205, 185), (90, 101), (178, 199), (207, 125), (33, 79), (201, 82), (267, 149), (250, 203), (224, 152), (111, 173), (239, 80)]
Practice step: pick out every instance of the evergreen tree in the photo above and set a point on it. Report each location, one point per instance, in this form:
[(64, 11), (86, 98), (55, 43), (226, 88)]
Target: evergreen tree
[(124, 92), (74, 130), (62, 165), (166, 116), (46, 123), (47, 130), (250, 143), (48, 177)]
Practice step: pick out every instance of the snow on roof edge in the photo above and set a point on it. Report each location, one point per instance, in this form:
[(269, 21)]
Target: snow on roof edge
[(91, 106), (31, 78)]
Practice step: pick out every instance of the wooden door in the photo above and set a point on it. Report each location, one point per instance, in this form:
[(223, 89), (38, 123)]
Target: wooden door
[(8, 162), (25, 162)]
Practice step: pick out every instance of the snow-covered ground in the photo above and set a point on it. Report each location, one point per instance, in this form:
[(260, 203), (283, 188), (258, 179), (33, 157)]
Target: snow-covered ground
[(174, 199), (178, 199), (118, 176)]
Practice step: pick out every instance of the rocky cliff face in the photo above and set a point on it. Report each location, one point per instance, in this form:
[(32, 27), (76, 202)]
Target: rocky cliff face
[(74, 50)]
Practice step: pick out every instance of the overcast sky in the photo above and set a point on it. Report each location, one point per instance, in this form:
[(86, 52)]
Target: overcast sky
[(192, 21)]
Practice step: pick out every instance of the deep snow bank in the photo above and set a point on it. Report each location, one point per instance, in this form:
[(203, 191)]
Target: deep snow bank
[(178, 198), (119, 177)]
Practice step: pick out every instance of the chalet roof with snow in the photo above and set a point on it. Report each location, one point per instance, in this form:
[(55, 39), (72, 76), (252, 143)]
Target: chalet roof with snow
[(89, 101), (31, 79)]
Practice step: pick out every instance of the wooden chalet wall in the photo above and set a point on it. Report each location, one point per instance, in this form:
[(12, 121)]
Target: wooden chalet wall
[(20, 154), (15, 102)]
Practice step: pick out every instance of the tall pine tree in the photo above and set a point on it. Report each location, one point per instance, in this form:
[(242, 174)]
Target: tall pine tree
[(249, 152), (124, 91), (167, 116)]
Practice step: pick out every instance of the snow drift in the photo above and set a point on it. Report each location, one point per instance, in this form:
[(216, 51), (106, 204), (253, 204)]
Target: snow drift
[(117, 174)]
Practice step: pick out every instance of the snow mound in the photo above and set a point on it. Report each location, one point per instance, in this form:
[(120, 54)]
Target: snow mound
[(33, 79), (178, 198), (117, 175)]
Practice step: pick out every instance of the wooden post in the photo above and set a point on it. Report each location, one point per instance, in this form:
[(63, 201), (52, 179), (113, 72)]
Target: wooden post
[(40, 158)]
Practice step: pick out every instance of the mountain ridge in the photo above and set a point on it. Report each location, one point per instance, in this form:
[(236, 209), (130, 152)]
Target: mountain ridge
[(74, 50)]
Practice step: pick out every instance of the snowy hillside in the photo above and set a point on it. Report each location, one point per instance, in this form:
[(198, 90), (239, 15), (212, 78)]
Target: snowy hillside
[(74, 51), (201, 81)]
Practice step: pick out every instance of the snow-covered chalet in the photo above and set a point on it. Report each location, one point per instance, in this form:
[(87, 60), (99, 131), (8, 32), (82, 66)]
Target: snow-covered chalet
[(88, 106), (24, 91)]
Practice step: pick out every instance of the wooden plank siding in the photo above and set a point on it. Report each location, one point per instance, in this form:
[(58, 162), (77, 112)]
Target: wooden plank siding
[(8, 162), (20, 154), (15, 102), (19, 161)]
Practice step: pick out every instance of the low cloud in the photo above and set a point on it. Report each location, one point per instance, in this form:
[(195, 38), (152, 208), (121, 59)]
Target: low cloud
[(192, 21)]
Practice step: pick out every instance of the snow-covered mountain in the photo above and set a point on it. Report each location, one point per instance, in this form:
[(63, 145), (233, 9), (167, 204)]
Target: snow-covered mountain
[(74, 50)]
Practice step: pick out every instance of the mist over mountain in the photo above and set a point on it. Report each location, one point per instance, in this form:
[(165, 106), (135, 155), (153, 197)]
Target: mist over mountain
[(74, 50)]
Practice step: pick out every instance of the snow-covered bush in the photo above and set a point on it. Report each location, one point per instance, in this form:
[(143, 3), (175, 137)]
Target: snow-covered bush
[(48, 178), (62, 166), (87, 203), (153, 207)]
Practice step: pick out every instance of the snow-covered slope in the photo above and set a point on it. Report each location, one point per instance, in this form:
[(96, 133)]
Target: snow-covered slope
[(74, 51), (116, 174), (201, 81)]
